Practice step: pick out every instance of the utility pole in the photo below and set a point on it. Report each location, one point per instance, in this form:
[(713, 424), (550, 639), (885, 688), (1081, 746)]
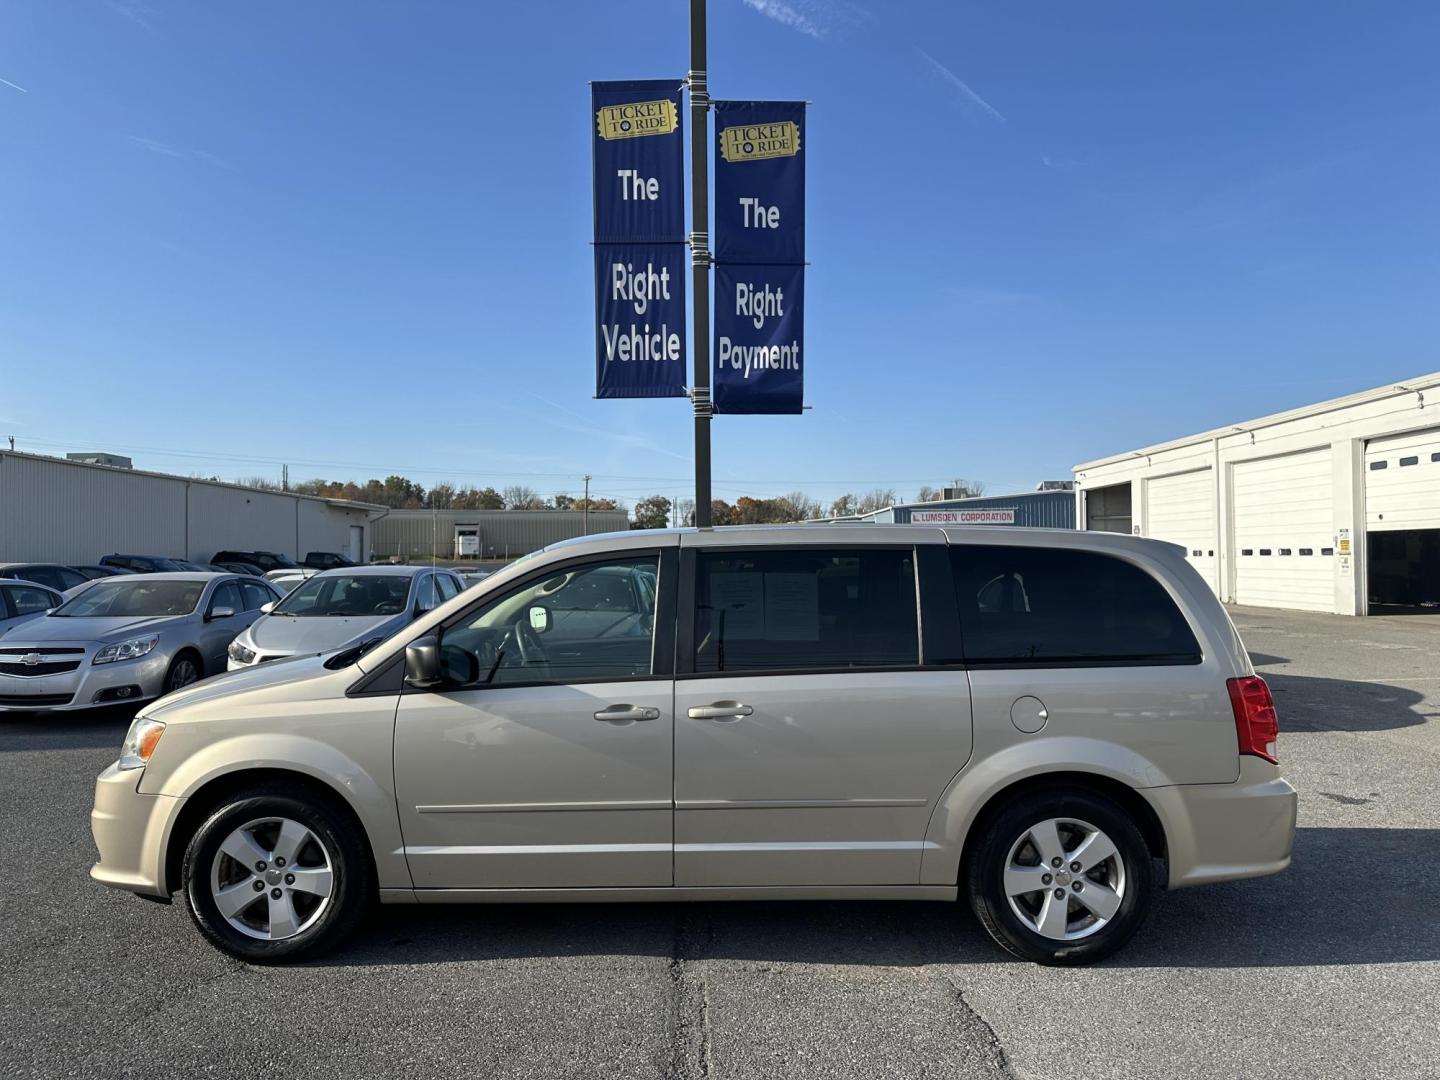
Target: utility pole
[(586, 506), (698, 83), (284, 477)]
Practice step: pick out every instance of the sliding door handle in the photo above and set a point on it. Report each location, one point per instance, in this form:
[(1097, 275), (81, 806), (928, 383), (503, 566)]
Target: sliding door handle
[(720, 710), (621, 714)]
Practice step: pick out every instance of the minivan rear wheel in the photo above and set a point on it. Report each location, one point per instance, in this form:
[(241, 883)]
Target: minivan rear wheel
[(271, 878), (1060, 877)]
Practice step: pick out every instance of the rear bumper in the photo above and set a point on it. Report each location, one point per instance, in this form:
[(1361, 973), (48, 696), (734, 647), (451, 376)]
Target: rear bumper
[(1225, 832), (131, 831)]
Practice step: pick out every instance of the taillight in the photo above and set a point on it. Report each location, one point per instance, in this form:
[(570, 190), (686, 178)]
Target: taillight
[(1255, 722)]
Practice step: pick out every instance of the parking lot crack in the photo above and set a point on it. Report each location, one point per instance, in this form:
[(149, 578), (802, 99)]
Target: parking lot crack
[(992, 1040), (1000, 1061), (689, 1002)]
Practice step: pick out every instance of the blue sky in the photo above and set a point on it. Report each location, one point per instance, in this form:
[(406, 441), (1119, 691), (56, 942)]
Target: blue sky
[(354, 235)]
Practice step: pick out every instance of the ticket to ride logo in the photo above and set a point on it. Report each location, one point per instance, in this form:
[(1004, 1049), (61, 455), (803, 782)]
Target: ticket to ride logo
[(636, 118), (757, 142)]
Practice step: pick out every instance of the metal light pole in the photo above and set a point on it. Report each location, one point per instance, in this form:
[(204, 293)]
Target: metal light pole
[(700, 256), (586, 507)]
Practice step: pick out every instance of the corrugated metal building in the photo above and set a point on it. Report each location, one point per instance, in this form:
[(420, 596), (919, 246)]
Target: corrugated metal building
[(500, 533), (1030, 509), (53, 510)]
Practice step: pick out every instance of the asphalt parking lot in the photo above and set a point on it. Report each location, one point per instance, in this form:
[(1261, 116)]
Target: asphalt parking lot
[(1332, 969)]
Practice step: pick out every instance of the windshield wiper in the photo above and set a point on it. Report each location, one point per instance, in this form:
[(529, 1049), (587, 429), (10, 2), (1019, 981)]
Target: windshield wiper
[(350, 655)]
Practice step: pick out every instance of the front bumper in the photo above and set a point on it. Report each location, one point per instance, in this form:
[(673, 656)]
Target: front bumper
[(89, 686), (131, 831), (1225, 832)]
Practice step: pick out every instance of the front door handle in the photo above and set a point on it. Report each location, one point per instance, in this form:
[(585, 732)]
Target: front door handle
[(620, 714), (720, 710)]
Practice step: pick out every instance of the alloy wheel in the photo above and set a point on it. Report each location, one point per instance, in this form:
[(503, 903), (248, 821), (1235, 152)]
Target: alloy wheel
[(1064, 879), (183, 674), (272, 878)]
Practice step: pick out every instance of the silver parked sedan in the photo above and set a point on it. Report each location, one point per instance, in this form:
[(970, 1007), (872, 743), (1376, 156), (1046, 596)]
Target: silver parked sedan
[(335, 608), (22, 601), (127, 639)]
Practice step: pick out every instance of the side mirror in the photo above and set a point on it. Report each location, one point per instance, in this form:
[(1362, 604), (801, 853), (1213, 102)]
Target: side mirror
[(422, 662), (220, 613), (539, 618), (268, 607)]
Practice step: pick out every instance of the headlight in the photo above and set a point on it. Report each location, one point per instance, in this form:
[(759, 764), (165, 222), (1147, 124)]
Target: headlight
[(240, 654), (140, 742), (125, 650)]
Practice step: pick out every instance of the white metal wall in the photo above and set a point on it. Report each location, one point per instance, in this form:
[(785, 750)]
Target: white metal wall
[(1284, 531), (1402, 482), (1339, 496), (1182, 509), (58, 511)]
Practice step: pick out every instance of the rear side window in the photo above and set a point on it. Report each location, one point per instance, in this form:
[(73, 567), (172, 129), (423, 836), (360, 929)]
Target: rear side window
[(256, 595), (1038, 606), (27, 600), (226, 595), (446, 584), (796, 609)]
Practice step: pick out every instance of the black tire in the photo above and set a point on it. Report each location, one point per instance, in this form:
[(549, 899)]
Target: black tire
[(178, 671), (984, 877), (341, 844)]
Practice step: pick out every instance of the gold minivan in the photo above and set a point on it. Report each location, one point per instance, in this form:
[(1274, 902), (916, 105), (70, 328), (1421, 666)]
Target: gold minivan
[(1048, 725)]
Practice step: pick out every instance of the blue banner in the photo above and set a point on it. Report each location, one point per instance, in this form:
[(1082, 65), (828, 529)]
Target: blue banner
[(759, 328), (760, 181), (640, 315), (760, 257), (638, 148)]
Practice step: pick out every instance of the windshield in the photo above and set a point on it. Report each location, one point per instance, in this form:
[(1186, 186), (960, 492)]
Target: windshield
[(137, 597), (163, 566), (338, 595)]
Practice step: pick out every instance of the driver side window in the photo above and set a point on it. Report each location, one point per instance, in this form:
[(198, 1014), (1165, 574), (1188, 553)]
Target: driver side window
[(586, 623)]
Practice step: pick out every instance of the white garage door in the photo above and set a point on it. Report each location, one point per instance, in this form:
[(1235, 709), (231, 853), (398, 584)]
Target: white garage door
[(1181, 509), (1285, 532), (1402, 482)]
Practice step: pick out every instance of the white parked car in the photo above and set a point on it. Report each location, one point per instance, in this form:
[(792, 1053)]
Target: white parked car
[(337, 608), (288, 577)]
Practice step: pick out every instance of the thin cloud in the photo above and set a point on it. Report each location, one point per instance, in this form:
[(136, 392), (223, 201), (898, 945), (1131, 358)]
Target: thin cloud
[(213, 159), (786, 15), (960, 84), (813, 18), (155, 146), (14, 86), (628, 440), (136, 11)]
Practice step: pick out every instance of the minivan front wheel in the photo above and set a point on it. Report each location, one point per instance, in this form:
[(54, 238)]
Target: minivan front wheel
[(270, 878), (1061, 877)]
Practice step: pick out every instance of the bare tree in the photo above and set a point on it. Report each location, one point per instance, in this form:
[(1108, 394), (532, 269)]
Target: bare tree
[(798, 506), (928, 494), (519, 497), (844, 506), (968, 489), (877, 499)]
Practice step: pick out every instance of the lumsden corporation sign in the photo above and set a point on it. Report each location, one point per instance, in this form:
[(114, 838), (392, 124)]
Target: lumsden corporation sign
[(962, 517)]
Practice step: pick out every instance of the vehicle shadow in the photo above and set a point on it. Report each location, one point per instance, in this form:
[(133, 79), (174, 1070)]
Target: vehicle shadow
[(65, 730), (1260, 659), (1349, 898), (1311, 703)]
